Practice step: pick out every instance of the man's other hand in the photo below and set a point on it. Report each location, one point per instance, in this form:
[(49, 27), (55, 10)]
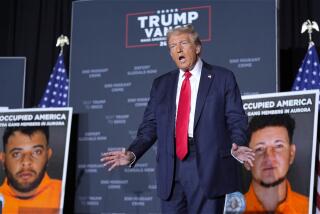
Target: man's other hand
[(243, 154), (115, 159)]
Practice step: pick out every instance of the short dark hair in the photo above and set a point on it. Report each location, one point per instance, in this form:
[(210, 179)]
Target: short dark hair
[(25, 130), (263, 121), (189, 29)]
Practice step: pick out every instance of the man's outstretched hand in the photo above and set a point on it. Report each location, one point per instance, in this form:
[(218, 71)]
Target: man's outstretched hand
[(115, 159), (243, 154)]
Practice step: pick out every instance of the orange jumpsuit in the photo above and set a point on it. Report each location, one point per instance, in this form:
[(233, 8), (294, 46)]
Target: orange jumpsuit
[(294, 203), (45, 200)]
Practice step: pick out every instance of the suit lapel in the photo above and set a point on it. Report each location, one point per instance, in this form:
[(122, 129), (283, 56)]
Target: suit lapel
[(172, 89), (206, 79)]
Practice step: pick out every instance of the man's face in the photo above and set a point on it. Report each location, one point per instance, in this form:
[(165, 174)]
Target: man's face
[(183, 50), (273, 154), (25, 160)]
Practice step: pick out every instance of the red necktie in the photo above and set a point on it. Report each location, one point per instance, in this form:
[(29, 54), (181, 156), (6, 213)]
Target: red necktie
[(182, 121)]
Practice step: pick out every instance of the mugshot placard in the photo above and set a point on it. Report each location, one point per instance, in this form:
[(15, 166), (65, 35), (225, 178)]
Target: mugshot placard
[(282, 133), (34, 153)]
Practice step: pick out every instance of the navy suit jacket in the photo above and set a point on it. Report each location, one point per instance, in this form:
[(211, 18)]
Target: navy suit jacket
[(219, 121)]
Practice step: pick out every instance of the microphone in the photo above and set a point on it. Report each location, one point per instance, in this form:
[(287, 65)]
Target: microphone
[(79, 178), (234, 203)]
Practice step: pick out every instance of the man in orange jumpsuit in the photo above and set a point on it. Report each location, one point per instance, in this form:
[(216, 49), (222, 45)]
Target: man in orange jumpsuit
[(270, 190), (27, 187)]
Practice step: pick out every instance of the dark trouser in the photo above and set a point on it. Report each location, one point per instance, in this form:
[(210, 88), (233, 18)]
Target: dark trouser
[(187, 195)]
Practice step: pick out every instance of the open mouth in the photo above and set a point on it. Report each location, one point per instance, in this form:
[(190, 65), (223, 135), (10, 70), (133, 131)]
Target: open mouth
[(182, 59)]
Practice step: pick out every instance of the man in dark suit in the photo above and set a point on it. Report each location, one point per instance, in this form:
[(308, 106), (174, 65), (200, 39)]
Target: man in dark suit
[(195, 113)]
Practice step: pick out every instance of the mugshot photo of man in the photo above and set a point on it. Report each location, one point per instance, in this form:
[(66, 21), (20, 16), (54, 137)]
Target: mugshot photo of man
[(27, 186), (270, 137)]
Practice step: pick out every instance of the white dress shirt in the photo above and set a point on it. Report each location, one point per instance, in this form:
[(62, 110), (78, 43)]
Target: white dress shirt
[(194, 84)]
